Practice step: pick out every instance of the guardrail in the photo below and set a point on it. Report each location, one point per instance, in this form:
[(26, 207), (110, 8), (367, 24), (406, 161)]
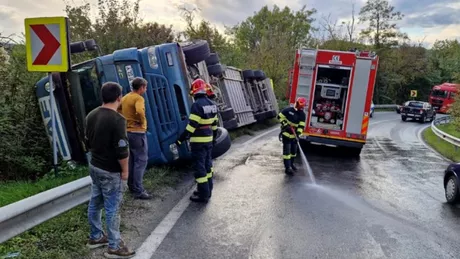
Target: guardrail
[(25, 214), (385, 106), (441, 134)]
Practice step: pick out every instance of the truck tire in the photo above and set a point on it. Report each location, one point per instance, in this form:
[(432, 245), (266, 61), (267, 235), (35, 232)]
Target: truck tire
[(196, 52), (223, 143), (259, 75), (248, 74), (212, 59), (215, 70), (231, 124), (354, 152), (227, 114)]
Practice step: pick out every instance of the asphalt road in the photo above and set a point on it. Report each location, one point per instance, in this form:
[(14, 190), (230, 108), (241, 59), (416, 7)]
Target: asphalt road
[(387, 204)]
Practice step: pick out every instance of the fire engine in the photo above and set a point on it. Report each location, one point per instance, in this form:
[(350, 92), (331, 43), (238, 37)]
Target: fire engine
[(338, 86)]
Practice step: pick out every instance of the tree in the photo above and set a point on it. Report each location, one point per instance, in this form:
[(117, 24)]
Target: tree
[(382, 30), (350, 25), (268, 40)]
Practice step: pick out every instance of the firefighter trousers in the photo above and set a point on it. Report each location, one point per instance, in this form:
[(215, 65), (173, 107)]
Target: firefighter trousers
[(289, 151), (202, 166)]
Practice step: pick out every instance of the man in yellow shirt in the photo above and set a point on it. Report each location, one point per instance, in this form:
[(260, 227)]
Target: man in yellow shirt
[(133, 109)]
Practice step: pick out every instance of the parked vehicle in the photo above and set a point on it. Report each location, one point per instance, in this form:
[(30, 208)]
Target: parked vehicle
[(338, 86), (417, 110), (452, 183), (443, 96)]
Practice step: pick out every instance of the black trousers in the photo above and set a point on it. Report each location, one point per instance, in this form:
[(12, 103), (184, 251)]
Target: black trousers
[(289, 151)]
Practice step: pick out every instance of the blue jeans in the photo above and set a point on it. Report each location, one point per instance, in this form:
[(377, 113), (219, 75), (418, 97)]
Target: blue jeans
[(105, 193), (138, 157)]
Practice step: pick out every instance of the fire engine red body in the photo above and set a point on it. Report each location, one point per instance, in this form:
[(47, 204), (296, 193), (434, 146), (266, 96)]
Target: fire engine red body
[(443, 96), (338, 86)]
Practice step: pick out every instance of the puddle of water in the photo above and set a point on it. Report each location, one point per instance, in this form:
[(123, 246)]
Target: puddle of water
[(305, 162)]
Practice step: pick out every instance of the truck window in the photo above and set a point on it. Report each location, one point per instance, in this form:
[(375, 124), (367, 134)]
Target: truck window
[(452, 95), (90, 86), (439, 93)]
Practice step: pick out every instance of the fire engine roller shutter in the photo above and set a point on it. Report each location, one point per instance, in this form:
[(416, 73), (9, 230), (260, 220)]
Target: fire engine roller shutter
[(358, 97)]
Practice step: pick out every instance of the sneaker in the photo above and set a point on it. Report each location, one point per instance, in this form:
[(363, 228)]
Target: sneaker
[(103, 241), (197, 198), (122, 252), (143, 196)]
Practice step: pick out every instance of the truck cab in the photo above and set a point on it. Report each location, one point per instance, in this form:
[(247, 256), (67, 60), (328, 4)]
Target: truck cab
[(167, 100)]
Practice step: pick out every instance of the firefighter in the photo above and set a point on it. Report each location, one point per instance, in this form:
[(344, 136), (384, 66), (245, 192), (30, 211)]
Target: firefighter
[(201, 130), (292, 121)]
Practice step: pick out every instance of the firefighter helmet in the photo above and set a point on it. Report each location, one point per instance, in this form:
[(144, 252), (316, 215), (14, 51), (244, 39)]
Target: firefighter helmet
[(198, 87), (300, 103)]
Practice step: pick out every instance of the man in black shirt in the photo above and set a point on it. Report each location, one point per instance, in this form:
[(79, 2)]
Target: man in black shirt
[(107, 141)]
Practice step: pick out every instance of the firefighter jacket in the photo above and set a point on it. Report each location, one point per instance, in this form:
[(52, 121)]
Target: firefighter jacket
[(292, 122), (202, 125)]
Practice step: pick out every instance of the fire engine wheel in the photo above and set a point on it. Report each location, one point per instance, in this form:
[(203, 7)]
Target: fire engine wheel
[(212, 59), (216, 70), (196, 51), (354, 152), (227, 114), (248, 74), (259, 75), (223, 143)]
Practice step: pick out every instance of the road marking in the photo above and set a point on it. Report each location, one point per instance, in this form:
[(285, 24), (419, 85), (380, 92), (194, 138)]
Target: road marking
[(378, 122), (154, 240)]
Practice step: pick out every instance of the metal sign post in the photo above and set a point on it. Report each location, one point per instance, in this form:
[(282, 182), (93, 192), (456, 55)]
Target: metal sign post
[(47, 47)]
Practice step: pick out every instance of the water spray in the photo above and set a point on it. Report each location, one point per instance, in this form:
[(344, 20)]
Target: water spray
[(305, 161)]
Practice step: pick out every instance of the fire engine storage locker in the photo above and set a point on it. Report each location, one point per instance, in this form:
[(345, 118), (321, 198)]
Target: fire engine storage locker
[(259, 95)]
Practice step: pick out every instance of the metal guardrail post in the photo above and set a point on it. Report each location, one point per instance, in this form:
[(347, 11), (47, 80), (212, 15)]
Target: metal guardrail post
[(441, 134)]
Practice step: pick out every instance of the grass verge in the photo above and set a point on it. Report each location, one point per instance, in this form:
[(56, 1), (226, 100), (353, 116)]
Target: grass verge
[(14, 191), (252, 129), (65, 236), (444, 148)]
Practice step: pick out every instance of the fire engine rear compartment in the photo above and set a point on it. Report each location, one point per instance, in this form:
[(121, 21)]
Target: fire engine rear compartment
[(330, 97)]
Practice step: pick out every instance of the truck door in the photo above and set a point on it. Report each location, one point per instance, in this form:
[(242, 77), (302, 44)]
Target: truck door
[(169, 109), (359, 90), (122, 67)]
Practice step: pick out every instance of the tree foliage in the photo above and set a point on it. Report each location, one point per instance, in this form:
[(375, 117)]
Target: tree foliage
[(381, 18)]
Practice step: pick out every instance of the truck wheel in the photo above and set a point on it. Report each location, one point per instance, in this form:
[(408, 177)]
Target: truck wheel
[(212, 59), (259, 75), (353, 152), (231, 124), (216, 70), (248, 74), (227, 114), (403, 118), (223, 143), (196, 52)]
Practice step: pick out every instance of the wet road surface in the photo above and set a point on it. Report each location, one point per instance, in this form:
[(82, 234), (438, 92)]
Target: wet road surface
[(387, 204)]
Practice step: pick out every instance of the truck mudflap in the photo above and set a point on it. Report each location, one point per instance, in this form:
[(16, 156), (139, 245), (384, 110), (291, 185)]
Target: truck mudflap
[(332, 141)]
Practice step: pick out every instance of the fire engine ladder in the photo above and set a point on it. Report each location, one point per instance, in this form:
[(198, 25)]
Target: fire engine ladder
[(306, 68)]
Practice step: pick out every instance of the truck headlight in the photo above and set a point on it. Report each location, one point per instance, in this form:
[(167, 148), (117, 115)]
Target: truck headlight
[(174, 151)]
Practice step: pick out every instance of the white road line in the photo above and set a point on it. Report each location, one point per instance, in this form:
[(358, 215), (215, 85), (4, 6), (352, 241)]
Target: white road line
[(151, 244), (155, 239)]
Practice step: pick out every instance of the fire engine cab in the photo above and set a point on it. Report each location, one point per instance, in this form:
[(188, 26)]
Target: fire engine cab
[(338, 86)]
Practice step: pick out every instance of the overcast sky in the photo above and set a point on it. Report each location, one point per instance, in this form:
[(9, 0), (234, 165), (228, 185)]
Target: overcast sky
[(424, 19)]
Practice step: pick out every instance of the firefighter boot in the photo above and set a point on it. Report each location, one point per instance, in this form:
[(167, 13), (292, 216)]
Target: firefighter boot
[(293, 166), (288, 171)]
